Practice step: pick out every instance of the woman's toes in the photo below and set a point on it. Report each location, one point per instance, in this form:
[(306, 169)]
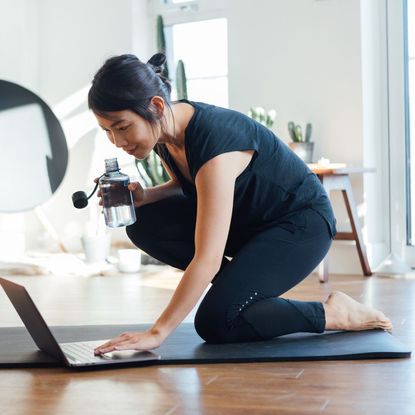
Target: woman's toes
[(345, 313), (386, 325)]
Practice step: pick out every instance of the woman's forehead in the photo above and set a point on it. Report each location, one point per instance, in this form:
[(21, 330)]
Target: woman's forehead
[(114, 115)]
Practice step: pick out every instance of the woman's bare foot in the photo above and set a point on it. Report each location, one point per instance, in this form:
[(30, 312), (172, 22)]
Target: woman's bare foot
[(345, 313)]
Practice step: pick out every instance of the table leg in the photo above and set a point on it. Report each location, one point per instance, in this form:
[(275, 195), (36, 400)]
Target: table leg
[(342, 182), (355, 223), (323, 270)]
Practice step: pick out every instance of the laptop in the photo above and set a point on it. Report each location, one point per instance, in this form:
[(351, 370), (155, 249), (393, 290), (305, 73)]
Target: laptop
[(73, 354)]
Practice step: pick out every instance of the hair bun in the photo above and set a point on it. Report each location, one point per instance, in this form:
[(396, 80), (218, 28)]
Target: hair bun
[(157, 61)]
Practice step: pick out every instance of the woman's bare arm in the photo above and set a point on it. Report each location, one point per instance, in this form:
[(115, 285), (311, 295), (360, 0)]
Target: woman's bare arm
[(161, 191), (170, 188)]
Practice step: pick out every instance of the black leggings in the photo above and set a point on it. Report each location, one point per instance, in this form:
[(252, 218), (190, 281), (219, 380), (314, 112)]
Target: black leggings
[(243, 302)]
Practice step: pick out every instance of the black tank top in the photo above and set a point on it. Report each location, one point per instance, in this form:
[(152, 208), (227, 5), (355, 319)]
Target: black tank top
[(275, 188)]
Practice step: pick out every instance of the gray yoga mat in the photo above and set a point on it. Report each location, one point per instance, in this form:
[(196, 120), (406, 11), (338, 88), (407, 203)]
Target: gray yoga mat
[(17, 348)]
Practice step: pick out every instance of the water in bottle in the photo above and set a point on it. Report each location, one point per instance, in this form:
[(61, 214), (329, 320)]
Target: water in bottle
[(117, 200)]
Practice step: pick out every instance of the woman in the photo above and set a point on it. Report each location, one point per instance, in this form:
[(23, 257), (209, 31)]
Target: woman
[(236, 190)]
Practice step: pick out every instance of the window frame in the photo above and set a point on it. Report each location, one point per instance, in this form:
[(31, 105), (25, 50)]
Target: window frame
[(410, 216), (398, 133), (187, 12), (410, 239)]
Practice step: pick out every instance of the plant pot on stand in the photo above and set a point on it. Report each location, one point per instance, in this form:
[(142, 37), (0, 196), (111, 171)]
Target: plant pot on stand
[(301, 145), (303, 150)]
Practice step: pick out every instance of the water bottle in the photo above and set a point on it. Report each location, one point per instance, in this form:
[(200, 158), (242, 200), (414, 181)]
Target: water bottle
[(117, 200)]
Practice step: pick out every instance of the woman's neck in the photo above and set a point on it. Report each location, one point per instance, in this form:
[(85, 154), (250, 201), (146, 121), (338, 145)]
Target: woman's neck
[(176, 124)]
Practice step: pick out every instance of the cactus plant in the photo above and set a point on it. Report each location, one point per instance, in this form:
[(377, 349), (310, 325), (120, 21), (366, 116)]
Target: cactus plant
[(296, 133), (181, 84), (308, 130), (161, 44), (291, 127), (265, 118)]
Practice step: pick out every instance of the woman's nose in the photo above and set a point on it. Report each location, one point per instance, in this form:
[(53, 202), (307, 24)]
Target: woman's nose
[(119, 141)]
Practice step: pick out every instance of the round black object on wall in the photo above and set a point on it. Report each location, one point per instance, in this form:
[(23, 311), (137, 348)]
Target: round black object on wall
[(33, 149)]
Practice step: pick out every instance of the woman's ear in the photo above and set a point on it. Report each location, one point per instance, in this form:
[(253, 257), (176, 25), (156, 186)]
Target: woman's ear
[(157, 106)]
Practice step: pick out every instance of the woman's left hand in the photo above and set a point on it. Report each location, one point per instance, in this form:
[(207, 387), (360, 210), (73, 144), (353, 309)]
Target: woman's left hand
[(132, 341)]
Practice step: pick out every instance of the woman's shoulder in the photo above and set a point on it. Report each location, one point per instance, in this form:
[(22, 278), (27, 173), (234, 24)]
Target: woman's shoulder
[(212, 108), (210, 118)]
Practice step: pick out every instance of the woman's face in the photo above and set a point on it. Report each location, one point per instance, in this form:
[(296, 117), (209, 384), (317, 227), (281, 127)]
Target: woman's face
[(129, 131)]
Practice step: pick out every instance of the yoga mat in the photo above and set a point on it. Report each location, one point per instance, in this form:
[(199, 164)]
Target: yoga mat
[(17, 348)]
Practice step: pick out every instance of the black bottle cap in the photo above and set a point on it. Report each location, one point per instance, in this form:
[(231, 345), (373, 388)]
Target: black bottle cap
[(80, 199)]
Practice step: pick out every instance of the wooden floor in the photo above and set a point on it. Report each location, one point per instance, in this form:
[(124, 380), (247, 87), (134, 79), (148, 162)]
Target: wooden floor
[(332, 387)]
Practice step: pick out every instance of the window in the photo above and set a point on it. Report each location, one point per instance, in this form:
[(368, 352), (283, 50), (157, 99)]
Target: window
[(202, 46), (410, 111), (175, 1), (196, 32)]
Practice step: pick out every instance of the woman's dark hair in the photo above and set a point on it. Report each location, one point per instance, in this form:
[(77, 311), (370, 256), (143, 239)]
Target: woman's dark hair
[(126, 83)]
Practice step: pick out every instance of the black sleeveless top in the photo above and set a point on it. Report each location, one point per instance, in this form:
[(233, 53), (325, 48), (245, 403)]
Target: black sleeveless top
[(275, 187)]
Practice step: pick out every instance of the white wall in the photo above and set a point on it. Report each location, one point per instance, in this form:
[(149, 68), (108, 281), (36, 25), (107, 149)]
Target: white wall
[(19, 42)]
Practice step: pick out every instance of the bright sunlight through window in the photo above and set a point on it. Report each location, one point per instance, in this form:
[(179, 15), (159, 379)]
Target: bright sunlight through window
[(203, 47)]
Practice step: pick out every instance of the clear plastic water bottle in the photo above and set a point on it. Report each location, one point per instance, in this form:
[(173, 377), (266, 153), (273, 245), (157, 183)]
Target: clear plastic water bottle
[(117, 200)]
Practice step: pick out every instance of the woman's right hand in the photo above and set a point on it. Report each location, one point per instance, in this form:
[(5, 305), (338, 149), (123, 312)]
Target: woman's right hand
[(135, 188), (139, 193)]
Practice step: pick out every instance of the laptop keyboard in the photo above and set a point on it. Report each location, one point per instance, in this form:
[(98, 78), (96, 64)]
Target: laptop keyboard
[(84, 352)]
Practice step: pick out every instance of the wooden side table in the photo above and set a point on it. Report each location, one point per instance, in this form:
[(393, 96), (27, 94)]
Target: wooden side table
[(336, 177)]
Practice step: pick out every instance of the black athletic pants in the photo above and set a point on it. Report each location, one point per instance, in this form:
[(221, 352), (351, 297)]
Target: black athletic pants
[(243, 302)]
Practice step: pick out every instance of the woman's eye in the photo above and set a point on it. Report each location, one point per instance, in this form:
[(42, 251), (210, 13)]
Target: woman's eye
[(123, 128)]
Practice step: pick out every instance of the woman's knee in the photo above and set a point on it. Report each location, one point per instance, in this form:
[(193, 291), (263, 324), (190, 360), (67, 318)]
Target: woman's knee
[(210, 326), (208, 332)]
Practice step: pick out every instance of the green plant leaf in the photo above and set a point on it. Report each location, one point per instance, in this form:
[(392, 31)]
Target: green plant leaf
[(291, 127)]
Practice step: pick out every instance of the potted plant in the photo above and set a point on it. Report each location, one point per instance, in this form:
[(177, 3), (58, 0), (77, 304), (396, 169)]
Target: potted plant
[(181, 81), (301, 145), (264, 118)]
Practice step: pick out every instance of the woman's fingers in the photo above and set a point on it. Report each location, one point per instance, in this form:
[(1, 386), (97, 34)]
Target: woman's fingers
[(99, 193), (132, 186), (104, 346), (136, 343), (109, 344), (124, 342), (131, 341), (126, 345), (138, 193)]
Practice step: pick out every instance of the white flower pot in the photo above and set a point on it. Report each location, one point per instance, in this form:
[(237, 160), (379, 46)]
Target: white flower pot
[(303, 150)]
